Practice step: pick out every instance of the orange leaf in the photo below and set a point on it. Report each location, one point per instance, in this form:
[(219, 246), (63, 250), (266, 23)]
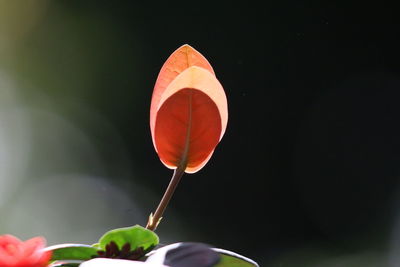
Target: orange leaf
[(181, 59), (189, 115)]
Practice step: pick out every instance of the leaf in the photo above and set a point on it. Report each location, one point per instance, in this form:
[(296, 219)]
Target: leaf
[(181, 59), (96, 245), (72, 252), (191, 119), (137, 236), (232, 259)]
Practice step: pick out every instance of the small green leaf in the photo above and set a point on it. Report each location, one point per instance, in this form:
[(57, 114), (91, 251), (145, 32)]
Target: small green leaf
[(72, 252), (137, 236), (232, 259)]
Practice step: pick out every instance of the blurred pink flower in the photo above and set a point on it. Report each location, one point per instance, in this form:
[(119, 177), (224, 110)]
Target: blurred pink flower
[(17, 253)]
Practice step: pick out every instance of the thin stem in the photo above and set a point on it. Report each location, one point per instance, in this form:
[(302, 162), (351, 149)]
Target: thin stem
[(155, 219)]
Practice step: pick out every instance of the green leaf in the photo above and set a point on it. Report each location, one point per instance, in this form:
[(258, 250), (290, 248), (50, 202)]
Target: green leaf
[(72, 252), (137, 236), (232, 259)]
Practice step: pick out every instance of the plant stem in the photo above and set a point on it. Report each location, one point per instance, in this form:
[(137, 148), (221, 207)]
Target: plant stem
[(155, 219)]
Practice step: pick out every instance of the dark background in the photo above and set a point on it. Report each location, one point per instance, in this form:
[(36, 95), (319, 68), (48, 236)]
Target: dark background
[(310, 159)]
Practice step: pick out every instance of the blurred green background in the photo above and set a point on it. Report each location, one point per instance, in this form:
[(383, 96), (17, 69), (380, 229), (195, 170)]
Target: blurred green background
[(306, 175)]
